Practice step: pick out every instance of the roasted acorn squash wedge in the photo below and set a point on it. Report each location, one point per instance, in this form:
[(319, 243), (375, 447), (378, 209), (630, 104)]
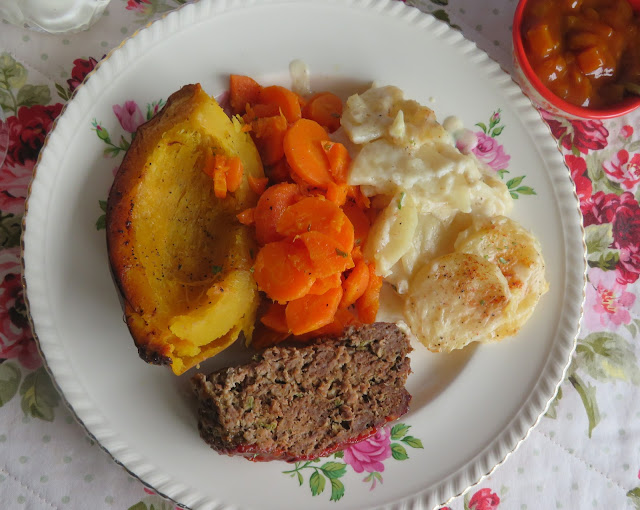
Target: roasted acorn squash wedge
[(179, 256)]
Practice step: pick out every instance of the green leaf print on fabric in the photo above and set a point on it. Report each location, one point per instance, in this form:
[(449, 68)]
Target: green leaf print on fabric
[(599, 239), (14, 90), (588, 396), (607, 357), (39, 396), (30, 95), (152, 502), (552, 412), (10, 376), (598, 177), (10, 230), (634, 496)]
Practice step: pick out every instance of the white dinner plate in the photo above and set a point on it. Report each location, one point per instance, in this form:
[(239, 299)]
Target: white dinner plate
[(469, 410)]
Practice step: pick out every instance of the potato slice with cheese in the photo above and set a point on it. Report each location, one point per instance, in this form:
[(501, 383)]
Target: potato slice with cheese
[(392, 233), (518, 255), (456, 299), (178, 254)]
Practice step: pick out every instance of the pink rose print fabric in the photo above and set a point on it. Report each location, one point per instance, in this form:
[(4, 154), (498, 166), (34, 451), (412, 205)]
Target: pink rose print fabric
[(484, 499), (623, 168), (608, 303), (16, 340), (369, 454)]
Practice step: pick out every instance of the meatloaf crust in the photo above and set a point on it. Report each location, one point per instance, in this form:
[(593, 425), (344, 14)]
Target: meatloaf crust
[(301, 402)]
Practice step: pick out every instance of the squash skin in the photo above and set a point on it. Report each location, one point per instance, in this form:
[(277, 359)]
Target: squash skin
[(168, 238)]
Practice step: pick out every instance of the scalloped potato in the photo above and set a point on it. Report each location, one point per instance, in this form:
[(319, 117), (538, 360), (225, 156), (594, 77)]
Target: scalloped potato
[(465, 272)]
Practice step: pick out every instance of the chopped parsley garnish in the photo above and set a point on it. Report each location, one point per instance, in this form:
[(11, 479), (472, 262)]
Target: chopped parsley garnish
[(341, 253), (502, 260), (216, 269), (401, 200)]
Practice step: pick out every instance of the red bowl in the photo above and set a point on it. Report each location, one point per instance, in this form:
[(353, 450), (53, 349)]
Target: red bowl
[(542, 97)]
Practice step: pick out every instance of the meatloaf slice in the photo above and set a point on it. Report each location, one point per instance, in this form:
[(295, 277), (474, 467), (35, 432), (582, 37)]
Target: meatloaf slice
[(301, 402)]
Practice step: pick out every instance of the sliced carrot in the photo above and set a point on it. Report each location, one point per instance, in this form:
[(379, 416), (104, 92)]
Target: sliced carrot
[(355, 284), (312, 312), (247, 217), (325, 108), (339, 160), (286, 100), (359, 220), (260, 111), (356, 254), (275, 318), (341, 320), (278, 274), (345, 238), (322, 285), (361, 200), (242, 90), (367, 305), (209, 164), (337, 193), (280, 171), (326, 255), (311, 213), (257, 184), (304, 153), (219, 182), (270, 208), (264, 337), (234, 173), (266, 126), (271, 147)]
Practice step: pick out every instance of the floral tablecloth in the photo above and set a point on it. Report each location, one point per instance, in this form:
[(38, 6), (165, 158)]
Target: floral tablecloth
[(585, 453)]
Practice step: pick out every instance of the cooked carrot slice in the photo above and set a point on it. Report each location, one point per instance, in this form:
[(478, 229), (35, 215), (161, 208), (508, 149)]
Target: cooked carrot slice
[(359, 220), (325, 108), (219, 182), (322, 285), (247, 217), (311, 213), (257, 184), (337, 193), (361, 200), (339, 160), (312, 312), (280, 171), (341, 320), (209, 164), (286, 100), (275, 318), (367, 305), (242, 90), (260, 111), (269, 209), (266, 126), (326, 255), (234, 171), (264, 337), (277, 271), (304, 153), (355, 284), (271, 147)]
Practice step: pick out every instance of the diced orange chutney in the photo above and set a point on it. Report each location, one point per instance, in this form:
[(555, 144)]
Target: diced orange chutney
[(585, 51)]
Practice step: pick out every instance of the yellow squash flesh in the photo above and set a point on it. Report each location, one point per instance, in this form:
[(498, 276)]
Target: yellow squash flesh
[(179, 255)]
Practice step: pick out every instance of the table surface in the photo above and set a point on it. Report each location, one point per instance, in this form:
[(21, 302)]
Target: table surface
[(585, 453)]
